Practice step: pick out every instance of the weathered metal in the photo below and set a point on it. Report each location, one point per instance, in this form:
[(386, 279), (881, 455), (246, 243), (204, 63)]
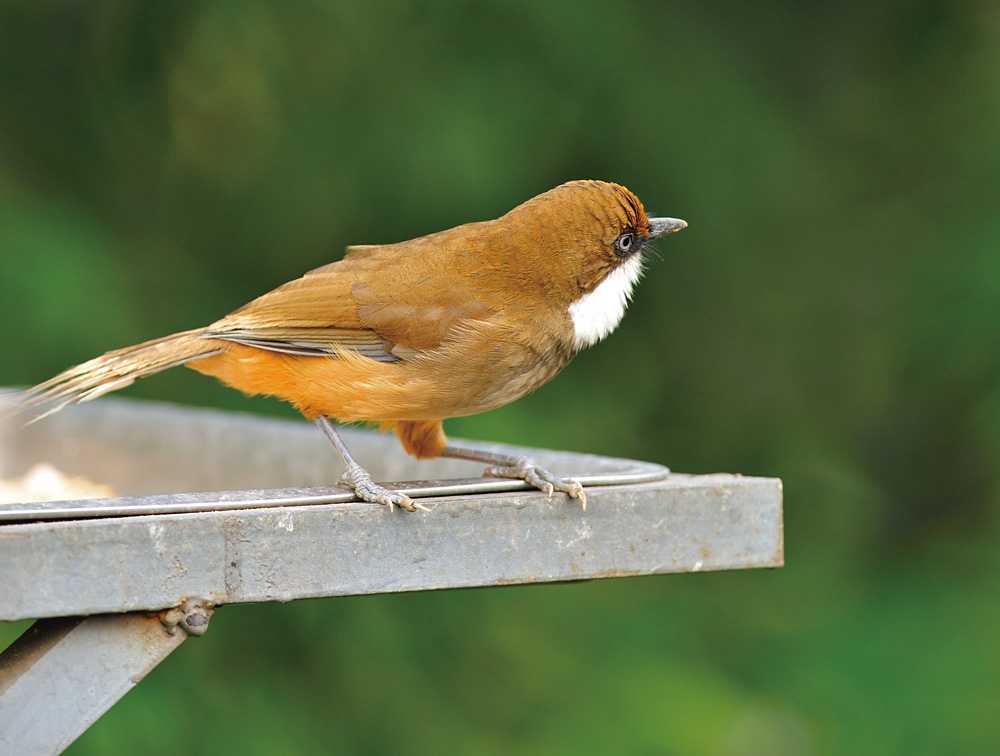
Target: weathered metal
[(61, 675), (125, 564), (278, 528)]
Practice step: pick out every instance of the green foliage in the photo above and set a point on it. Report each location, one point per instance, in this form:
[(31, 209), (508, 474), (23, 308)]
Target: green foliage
[(831, 316)]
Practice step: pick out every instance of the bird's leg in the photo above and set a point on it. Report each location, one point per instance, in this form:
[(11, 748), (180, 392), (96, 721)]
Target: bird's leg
[(520, 468), (358, 479)]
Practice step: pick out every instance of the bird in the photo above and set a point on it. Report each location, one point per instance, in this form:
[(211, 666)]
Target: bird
[(406, 335)]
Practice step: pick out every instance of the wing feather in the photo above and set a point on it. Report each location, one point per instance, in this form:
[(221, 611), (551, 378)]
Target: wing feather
[(372, 302)]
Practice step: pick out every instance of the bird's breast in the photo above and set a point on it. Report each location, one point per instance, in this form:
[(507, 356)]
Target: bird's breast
[(488, 365)]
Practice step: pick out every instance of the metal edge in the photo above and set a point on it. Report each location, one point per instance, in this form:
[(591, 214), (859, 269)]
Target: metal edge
[(184, 503)]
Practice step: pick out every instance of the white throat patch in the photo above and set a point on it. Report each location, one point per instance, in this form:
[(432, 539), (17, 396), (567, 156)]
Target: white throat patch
[(598, 313)]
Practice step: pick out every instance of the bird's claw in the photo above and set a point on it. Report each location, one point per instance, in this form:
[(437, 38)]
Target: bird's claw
[(524, 468), (366, 489)]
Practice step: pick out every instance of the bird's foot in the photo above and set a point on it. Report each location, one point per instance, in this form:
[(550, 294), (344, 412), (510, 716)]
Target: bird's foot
[(524, 468), (358, 480)]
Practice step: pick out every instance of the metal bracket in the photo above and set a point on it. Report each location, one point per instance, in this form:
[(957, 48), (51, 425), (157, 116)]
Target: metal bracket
[(63, 674)]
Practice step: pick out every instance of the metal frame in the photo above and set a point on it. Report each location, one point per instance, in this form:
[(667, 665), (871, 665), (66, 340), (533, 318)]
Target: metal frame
[(182, 554)]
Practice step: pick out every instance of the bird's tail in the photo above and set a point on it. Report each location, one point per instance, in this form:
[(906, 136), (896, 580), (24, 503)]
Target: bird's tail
[(116, 370)]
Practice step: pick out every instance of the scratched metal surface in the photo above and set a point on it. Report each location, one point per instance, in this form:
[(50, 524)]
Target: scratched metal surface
[(677, 523)]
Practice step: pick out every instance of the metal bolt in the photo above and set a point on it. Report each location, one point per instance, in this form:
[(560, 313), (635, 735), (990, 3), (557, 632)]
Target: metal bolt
[(192, 617)]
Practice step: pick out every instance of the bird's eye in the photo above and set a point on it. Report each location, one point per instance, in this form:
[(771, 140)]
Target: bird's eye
[(624, 243)]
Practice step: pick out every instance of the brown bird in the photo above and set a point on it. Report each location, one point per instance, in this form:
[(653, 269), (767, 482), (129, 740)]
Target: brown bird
[(408, 334)]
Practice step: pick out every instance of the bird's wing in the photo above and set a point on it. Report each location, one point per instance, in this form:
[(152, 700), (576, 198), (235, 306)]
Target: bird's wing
[(372, 302)]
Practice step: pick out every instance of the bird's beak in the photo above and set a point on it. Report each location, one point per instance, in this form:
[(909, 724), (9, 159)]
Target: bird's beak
[(664, 226)]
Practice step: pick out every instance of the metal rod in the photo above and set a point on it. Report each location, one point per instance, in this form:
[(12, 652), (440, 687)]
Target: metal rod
[(631, 472)]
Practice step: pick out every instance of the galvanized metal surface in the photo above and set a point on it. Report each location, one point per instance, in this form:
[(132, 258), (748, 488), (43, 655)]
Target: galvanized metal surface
[(63, 674), (301, 549), (151, 448), (134, 443), (181, 503), (151, 562), (289, 532)]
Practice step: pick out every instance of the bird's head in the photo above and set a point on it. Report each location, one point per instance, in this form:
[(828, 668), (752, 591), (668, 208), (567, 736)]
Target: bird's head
[(590, 236)]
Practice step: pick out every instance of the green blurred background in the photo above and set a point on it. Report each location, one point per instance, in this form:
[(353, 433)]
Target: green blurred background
[(831, 317)]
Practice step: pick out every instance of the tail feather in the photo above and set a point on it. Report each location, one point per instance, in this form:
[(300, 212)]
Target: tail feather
[(116, 370)]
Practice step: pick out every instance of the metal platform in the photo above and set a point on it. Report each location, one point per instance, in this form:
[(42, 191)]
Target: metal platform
[(117, 584)]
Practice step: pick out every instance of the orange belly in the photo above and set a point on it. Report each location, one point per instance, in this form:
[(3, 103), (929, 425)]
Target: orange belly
[(349, 387)]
